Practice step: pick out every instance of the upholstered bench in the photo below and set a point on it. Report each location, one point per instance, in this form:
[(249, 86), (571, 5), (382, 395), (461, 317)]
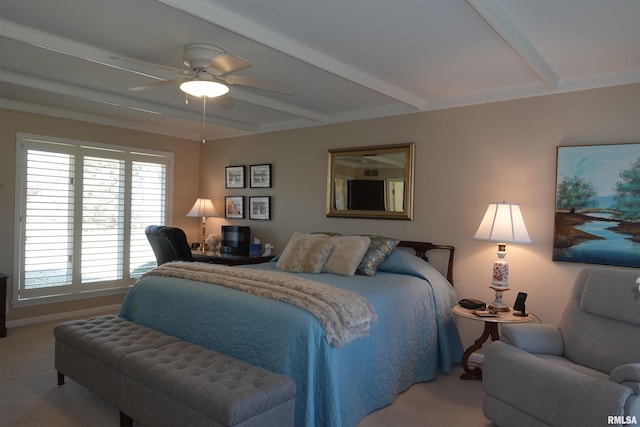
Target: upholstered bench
[(182, 384), (91, 351)]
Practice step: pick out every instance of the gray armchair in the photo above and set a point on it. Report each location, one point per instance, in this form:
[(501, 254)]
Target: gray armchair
[(578, 374)]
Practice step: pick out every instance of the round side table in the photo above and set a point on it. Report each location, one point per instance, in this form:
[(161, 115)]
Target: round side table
[(490, 330)]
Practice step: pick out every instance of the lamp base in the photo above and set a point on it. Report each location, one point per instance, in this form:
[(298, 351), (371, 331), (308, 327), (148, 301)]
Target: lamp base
[(498, 304), (203, 243)]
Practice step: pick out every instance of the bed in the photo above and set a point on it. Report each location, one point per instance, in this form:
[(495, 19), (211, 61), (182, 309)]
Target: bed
[(413, 337)]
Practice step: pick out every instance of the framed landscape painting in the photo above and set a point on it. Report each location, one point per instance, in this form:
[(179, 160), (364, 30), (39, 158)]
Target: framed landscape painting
[(597, 206)]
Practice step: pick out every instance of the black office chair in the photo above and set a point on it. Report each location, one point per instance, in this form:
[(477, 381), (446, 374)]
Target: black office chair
[(168, 243)]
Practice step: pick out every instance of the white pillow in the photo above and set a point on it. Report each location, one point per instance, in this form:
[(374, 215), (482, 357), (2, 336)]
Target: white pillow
[(305, 253), (346, 255)]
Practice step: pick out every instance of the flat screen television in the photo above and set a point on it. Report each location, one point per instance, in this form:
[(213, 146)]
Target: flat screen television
[(235, 240)]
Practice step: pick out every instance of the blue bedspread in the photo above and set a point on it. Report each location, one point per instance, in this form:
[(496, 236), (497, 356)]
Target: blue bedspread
[(414, 338)]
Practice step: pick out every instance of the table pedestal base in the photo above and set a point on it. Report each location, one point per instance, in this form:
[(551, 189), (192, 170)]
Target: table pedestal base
[(490, 330)]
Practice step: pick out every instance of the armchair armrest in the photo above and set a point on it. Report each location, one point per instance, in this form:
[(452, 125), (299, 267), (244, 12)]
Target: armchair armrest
[(538, 339), (546, 391), (628, 375)]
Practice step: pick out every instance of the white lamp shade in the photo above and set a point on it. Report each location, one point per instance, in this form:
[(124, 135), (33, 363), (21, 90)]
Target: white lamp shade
[(204, 88), (203, 208), (503, 223)]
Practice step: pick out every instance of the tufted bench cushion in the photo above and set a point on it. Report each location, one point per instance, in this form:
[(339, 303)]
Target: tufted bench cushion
[(91, 351), (185, 384)]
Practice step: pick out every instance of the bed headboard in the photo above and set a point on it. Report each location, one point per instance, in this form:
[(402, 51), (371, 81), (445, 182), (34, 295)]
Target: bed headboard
[(421, 249)]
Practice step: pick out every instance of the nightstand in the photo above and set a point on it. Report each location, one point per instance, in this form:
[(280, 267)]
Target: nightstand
[(228, 259), (490, 330)]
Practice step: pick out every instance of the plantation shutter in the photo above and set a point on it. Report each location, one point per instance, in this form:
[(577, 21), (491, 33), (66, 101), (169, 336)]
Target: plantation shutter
[(103, 202), (83, 213), (148, 197), (48, 230)]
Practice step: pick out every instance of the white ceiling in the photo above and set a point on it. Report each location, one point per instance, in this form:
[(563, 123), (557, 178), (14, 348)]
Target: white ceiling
[(350, 59)]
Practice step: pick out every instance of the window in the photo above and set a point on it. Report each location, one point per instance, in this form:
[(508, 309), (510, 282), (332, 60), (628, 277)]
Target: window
[(83, 209)]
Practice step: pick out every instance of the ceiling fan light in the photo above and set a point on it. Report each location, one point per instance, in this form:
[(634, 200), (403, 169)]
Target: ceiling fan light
[(204, 88)]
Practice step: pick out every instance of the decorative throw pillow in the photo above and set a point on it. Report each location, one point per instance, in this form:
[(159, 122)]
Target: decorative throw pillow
[(288, 249), (378, 250), (346, 255), (305, 253)]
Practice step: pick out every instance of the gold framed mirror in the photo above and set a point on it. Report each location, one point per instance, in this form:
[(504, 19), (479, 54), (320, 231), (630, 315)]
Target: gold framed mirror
[(371, 182)]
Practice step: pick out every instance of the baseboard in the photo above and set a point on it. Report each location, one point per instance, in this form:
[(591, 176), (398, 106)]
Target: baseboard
[(476, 358), (115, 308)]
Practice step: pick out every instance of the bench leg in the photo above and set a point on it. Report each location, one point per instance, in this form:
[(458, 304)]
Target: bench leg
[(125, 420), (60, 378)]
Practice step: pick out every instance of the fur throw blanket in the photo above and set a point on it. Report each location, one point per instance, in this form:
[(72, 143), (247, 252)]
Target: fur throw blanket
[(343, 314)]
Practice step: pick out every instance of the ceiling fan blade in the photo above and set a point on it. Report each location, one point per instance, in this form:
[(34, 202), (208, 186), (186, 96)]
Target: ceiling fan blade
[(223, 102), (263, 84), (151, 64), (156, 84), (226, 63)]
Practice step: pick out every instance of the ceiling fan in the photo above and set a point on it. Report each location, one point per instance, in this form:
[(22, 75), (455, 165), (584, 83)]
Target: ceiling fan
[(211, 72)]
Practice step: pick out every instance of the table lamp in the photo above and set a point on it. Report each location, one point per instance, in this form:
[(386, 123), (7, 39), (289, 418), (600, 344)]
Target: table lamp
[(203, 208), (502, 223)]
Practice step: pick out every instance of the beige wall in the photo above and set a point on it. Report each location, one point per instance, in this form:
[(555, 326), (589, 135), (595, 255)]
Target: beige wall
[(465, 158), (186, 164)]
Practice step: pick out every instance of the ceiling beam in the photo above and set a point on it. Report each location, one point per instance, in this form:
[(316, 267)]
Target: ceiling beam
[(221, 17), (274, 104), (519, 42), (64, 46), (62, 113)]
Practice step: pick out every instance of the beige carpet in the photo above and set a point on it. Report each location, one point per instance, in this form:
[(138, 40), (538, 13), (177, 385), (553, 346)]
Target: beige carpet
[(30, 397)]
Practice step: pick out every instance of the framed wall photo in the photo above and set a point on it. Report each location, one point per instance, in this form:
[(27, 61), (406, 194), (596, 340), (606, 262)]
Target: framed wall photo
[(597, 207), (234, 207), (234, 177), (260, 207), (260, 176)]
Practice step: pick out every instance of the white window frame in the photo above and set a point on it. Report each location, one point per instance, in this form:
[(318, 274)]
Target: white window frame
[(23, 297)]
